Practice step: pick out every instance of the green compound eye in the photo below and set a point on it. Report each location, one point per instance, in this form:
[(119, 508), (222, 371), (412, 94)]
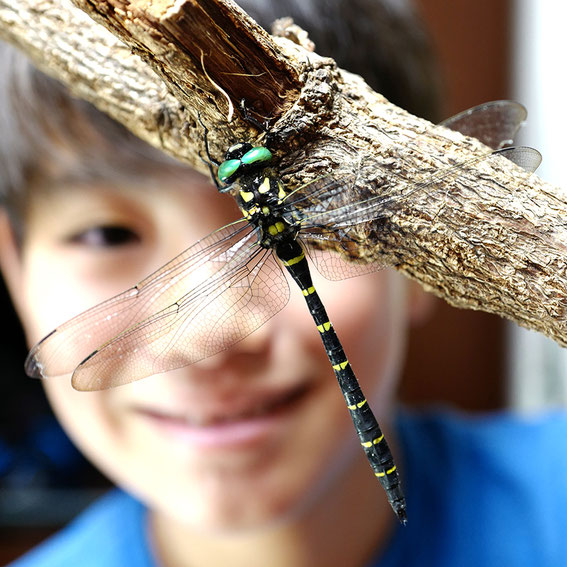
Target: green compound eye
[(255, 155), (228, 168)]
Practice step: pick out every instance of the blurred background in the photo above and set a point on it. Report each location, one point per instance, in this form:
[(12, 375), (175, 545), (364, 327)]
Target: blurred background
[(487, 50)]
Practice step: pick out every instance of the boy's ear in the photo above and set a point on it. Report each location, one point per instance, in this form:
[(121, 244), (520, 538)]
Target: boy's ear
[(11, 261)]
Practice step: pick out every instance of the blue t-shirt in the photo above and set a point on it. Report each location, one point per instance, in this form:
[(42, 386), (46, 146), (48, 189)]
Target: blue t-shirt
[(482, 491)]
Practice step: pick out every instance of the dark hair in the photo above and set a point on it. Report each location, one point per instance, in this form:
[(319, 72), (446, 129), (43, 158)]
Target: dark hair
[(43, 126), (384, 41)]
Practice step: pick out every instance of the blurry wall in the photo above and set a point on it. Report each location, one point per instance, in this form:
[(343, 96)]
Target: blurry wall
[(538, 366)]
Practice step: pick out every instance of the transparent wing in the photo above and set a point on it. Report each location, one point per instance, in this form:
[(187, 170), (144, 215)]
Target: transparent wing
[(493, 123), (211, 317), (216, 258), (67, 345), (344, 202), (341, 202), (529, 159), (331, 263)]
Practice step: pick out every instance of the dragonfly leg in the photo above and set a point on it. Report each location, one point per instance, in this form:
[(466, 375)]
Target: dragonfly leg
[(209, 161)]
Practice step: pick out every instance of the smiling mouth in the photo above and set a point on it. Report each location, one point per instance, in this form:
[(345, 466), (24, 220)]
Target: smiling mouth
[(237, 424)]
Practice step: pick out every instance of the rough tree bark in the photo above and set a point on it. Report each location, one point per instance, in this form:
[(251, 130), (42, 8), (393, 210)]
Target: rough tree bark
[(492, 237)]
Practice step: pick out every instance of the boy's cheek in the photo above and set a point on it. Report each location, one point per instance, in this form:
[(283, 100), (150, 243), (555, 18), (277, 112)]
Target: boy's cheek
[(53, 291), (49, 302)]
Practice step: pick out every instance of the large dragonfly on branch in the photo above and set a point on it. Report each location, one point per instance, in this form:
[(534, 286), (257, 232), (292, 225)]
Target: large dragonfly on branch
[(231, 282)]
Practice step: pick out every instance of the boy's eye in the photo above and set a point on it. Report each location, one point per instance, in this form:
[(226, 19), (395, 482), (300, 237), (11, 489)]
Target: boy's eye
[(105, 236)]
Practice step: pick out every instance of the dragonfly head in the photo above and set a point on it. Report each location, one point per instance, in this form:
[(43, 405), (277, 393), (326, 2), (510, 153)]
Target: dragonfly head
[(242, 158)]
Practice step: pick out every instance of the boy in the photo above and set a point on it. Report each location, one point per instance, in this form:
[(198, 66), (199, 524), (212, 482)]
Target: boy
[(246, 458)]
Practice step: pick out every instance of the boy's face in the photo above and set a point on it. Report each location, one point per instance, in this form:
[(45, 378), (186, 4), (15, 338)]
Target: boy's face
[(237, 440)]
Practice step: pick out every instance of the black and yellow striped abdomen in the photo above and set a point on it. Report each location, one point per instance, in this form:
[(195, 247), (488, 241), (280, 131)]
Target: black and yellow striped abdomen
[(262, 200), (371, 437)]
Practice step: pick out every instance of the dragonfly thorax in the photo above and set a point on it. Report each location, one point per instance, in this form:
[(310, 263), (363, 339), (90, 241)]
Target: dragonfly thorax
[(260, 198), (260, 192)]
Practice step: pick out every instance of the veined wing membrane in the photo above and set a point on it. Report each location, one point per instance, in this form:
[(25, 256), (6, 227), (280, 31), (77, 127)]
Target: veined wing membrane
[(330, 263), (343, 203), (65, 347), (494, 123), (210, 318), (358, 204)]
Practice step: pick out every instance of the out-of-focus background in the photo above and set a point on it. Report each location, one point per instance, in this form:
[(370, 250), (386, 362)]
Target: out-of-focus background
[(487, 50)]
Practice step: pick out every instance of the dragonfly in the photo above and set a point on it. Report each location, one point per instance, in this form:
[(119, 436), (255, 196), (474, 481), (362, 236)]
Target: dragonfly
[(225, 286)]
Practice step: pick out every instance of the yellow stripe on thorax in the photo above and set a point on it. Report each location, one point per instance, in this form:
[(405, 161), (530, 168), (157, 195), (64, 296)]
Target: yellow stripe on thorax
[(265, 187), (246, 196), (276, 228), (281, 191)]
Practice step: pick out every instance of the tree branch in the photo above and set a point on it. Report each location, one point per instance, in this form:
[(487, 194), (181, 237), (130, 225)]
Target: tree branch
[(491, 238)]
